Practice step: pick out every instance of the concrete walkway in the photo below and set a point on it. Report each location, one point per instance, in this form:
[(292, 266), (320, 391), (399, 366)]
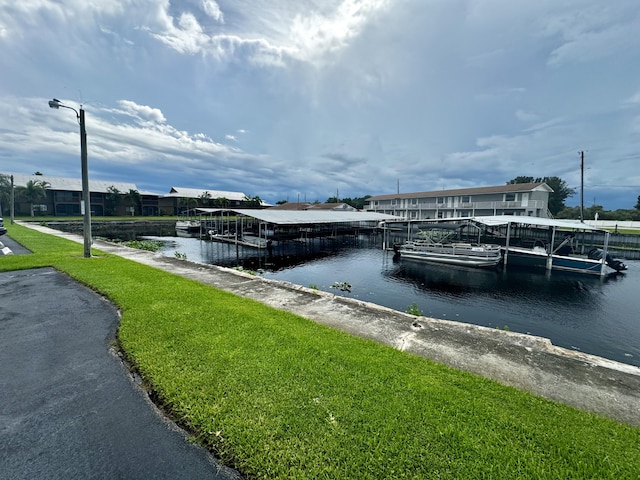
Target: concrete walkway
[(529, 363)]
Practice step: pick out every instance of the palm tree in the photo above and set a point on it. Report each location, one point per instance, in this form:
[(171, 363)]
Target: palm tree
[(222, 202), (253, 202), (133, 198), (33, 191), (112, 200), (205, 198)]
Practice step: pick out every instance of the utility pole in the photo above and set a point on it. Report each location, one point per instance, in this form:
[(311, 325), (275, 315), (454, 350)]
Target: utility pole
[(12, 201), (85, 205), (582, 186)]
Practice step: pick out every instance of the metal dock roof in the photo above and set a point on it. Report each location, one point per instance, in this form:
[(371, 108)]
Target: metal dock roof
[(303, 217)]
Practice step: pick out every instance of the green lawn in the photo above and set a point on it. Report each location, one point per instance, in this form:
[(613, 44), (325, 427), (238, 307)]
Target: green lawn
[(277, 396)]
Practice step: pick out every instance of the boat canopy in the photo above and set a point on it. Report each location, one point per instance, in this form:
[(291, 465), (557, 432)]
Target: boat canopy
[(301, 217), (442, 226), (498, 220)]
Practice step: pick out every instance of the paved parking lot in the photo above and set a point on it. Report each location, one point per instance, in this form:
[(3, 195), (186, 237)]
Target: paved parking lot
[(68, 407)]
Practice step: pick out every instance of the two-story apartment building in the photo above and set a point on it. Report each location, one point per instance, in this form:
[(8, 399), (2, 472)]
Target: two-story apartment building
[(527, 199), (63, 197)]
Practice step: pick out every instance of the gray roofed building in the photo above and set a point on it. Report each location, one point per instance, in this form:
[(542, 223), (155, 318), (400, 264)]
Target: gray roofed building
[(183, 192), (529, 199), (72, 184), (313, 206)]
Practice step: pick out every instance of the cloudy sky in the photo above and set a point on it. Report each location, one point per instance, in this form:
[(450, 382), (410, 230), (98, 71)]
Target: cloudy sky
[(288, 99)]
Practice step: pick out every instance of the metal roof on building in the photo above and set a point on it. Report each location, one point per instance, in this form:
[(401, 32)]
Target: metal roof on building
[(313, 206), (508, 188), (72, 184), (302, 217), (183, 192), (496, 220)]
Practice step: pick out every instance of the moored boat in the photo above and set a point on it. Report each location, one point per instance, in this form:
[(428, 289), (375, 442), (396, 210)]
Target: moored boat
[(552, 244), (188, 223), (191, 226), (437, 244)]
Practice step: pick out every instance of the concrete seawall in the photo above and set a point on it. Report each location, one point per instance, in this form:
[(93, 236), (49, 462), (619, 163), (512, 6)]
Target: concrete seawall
[(120, 229), (526, 362)]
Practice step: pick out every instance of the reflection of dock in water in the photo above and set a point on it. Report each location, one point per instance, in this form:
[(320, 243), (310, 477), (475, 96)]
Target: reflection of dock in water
[(244, 240)]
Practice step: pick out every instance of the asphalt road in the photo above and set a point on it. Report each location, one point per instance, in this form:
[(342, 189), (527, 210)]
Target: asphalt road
[(68, 407), (9, 247)]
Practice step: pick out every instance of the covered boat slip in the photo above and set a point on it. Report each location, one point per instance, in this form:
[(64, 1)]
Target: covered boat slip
[(441, 244), (260, 228), (552, 244), (544, 243)]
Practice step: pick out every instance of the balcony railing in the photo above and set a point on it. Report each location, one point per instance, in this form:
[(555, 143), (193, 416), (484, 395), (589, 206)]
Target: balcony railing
[(495, 205)]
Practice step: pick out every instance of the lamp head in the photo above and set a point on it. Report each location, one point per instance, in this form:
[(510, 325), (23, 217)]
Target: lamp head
[(55, 103)]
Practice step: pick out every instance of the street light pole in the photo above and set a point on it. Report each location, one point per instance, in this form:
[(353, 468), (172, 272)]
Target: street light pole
[(86, 194), (13, 202)]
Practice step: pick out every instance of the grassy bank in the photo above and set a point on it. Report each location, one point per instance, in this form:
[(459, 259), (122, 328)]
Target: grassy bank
[(278, 396)]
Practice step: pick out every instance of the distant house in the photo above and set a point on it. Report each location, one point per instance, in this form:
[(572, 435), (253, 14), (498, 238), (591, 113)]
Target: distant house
[(314, 206), (524, 199)]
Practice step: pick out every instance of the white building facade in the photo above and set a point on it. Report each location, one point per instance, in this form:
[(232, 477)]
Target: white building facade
[(521, 199)]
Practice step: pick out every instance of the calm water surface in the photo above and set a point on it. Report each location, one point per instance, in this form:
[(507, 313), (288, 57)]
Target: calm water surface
[(592, 315)]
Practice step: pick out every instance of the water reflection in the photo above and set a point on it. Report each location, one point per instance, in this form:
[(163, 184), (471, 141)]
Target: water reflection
[(460, 282)]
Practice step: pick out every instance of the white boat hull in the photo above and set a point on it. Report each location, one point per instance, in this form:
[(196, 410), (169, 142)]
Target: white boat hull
[(188, 225), (466, 255)]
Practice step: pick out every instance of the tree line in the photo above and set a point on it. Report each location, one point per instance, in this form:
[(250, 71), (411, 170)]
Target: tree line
[(561, 191)]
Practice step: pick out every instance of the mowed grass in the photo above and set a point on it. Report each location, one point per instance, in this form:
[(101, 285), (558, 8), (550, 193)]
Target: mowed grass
[(277, 396)]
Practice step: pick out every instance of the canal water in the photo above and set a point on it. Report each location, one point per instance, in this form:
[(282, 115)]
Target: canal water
[(592, 315)]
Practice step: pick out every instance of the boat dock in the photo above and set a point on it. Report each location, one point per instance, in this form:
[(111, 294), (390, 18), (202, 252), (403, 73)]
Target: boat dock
[(261, 228)]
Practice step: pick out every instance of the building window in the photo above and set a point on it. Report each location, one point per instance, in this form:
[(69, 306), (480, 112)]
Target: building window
[(440, 200), (509, 197), (64, 196), (465, 199)]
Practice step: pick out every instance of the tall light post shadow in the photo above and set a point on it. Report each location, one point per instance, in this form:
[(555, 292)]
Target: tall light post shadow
[(86, 195)]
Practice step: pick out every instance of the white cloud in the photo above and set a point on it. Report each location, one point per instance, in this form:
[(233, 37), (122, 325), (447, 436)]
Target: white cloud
[(212, 9), (313, 34), (142, 113), (525, 116), (595, 31), (307, 35), (634, 99), (348, 94)]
